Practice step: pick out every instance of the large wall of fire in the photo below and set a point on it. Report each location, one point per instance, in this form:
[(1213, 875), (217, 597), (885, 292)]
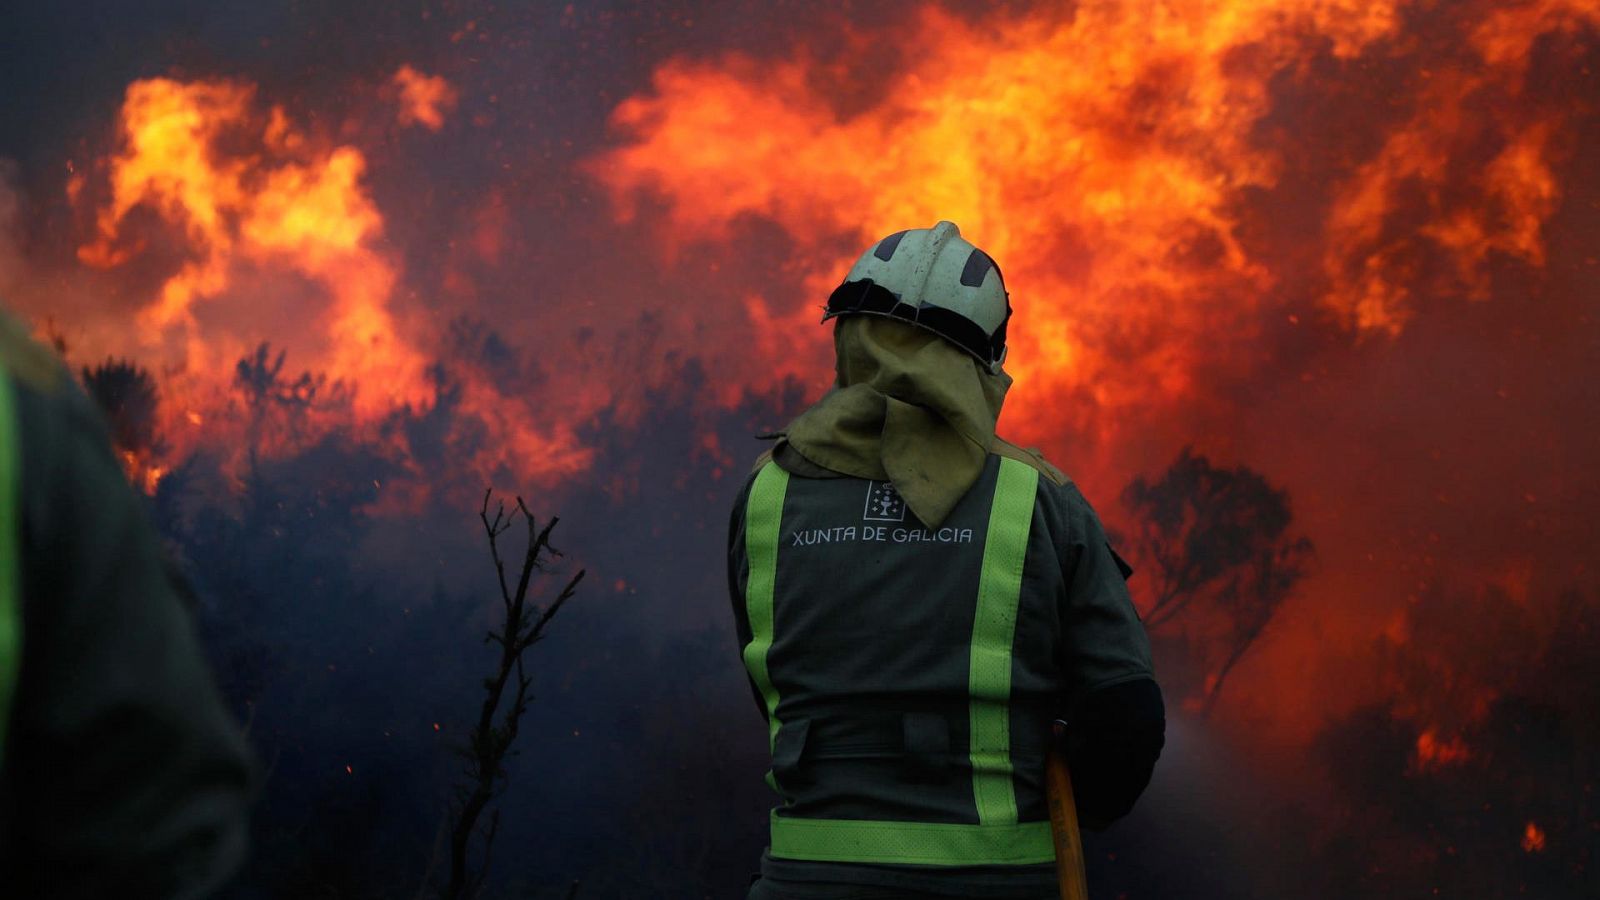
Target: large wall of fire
[(1352, 244)]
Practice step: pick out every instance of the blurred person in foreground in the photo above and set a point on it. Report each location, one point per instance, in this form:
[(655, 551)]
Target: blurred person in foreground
[(918, 600), (121, 774)]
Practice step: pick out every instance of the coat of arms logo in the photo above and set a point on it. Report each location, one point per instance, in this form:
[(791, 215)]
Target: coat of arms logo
[(884, 503)]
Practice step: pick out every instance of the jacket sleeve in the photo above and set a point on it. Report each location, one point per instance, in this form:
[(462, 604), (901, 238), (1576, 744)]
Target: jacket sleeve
[(1116, 720), (125, 774)]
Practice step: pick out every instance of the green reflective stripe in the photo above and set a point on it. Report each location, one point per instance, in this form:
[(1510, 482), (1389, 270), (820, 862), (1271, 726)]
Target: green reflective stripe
[(993, 627), (921, 843), (10, 557), (763, 516)]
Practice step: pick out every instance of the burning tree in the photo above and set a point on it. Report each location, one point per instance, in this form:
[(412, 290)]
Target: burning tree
[(260, 377), (281, 408), (500, 716), (126, 393), (1223, 560)]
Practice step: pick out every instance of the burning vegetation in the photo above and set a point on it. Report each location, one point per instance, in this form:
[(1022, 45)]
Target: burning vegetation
[(1304, 300)]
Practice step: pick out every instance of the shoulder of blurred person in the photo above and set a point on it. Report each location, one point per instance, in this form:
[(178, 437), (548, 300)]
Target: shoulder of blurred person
[(122, 772), (27, 362)]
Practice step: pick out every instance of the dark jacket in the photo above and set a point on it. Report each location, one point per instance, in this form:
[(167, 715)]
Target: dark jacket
[(870, 659), (122, 775)]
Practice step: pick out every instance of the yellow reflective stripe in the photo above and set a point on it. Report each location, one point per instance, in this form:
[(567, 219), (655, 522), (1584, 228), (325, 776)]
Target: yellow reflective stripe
[(10, 555), (919, 843), (993, 627), (763, 516)]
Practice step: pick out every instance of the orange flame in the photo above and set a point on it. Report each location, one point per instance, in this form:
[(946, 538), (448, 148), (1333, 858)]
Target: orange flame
[(142, 471), (1186, 198), (1533, 839), (279, 239), (1105, 159), (1515, 193), (1130, 165), (292, 208)]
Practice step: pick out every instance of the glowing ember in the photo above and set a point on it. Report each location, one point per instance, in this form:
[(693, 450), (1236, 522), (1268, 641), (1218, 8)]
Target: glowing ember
[(1533, 838), (1433, 753)]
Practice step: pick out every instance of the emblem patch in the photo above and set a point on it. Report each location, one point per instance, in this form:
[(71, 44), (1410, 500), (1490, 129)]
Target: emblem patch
[(884, 503)]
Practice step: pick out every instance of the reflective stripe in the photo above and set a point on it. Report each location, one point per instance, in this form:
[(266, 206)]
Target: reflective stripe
[(919, 843), (993, 627), (763, 516), (10, 557)]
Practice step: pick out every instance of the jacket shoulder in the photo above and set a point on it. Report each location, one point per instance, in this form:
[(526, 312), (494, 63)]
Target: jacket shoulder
[(1031, 457), (761, 461)]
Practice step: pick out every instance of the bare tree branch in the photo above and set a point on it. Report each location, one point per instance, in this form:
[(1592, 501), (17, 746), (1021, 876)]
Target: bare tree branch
[(499, 717)]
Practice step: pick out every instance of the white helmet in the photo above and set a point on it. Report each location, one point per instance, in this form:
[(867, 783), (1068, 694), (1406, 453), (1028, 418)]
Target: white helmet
[(935, 279)]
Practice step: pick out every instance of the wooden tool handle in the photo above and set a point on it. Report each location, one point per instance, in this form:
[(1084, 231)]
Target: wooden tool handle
[(1064, 828)]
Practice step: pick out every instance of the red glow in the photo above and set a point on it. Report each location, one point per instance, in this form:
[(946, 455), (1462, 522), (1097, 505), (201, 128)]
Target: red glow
[(1193, 257), (260, 203), (424, 99), (1158, 211), (1533, 839), (1103, 158), (1433, 753)]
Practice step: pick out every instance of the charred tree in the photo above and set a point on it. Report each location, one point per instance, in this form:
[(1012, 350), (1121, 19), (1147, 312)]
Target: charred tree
[(260, 377), (1222, 557), (126, 393), (506, 694)]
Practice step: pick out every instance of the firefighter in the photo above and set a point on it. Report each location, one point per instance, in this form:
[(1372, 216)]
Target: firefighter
[(917, 601), (121, 774)]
